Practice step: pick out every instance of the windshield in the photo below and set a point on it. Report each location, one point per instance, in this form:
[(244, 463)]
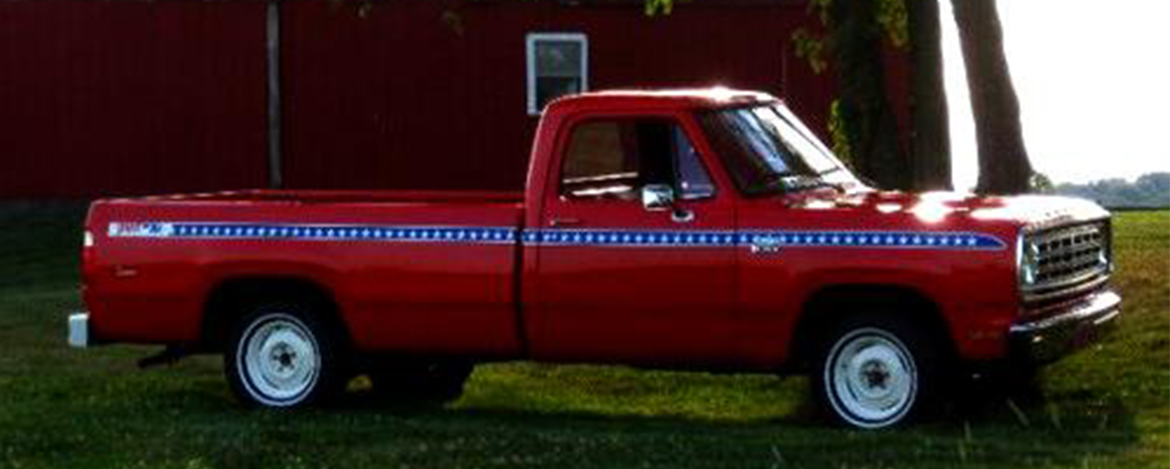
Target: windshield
[(767, 149)]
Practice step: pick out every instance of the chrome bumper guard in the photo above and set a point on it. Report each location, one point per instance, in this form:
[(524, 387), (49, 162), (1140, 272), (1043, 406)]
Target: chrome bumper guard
[(79, 330), (1046, 340)]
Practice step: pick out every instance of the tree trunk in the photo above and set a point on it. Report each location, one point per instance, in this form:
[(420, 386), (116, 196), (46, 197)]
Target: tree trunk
[(1003, 160), (856, 42), (930, 140)]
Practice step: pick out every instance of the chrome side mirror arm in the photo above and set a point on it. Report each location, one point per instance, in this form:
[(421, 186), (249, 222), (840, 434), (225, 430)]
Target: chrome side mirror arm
[(657, 197), (660, 198)]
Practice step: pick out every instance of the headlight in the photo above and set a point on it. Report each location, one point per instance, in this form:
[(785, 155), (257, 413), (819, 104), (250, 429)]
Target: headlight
[(87, 241), (1106, 255), (1028, 255), (1030, 264)]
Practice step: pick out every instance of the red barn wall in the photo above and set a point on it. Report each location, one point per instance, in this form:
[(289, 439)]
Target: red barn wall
[(132, 97), (431, 94), (102, 98)]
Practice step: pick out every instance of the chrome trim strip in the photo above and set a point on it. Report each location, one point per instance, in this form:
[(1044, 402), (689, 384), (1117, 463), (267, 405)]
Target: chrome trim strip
[(1056, 290), (1102, 304)]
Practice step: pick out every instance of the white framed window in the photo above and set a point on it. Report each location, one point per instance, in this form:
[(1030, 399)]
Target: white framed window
[(558, 65)]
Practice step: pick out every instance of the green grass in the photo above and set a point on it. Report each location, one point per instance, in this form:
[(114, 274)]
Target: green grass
[(1103, 408)]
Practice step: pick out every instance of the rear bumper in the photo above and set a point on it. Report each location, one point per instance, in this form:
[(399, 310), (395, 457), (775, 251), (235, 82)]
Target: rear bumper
[(79, 330), (1046, 340)]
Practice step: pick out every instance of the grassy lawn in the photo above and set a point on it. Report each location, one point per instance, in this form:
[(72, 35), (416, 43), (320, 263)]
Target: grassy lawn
[(1106, 407)]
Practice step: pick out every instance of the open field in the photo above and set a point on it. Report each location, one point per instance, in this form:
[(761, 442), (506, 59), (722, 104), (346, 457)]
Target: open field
[(1108, 407)]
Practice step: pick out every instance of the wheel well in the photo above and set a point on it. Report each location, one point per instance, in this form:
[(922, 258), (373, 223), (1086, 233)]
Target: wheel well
[(830, 305), (228, 301)]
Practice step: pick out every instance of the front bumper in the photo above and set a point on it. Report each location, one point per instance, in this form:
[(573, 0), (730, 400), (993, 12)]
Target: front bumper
[(79, 330), (1045, 340)]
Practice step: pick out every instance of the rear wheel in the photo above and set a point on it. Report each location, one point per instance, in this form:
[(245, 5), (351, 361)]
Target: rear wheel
[(875, 372), (282, 356)]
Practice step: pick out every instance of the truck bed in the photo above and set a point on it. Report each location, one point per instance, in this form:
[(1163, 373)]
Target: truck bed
[(401, 266)]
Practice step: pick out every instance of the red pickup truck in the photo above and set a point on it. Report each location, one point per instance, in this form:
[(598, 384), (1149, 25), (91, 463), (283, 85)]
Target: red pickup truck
[(697, 229)]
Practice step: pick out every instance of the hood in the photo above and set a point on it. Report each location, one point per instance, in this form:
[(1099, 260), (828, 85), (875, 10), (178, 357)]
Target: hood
[(1026, 211)]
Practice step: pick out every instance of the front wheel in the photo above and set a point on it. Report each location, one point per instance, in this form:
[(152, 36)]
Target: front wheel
[(875, 373), (281, 357)]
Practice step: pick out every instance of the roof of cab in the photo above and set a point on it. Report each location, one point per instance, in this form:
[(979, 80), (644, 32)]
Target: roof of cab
[(683, 98)]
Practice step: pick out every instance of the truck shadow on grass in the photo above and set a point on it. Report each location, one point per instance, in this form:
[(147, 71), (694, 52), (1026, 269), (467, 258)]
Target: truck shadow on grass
[(533, 415), (983, 433), (994, 427)]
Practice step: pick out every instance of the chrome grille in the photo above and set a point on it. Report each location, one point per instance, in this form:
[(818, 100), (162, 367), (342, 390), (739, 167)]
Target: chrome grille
[(1069, 257)]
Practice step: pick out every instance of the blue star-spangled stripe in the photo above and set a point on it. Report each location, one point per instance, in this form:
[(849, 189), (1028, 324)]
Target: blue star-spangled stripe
[(793, 239), (193, 230), (554, 237), (633, 238), (941, 240)]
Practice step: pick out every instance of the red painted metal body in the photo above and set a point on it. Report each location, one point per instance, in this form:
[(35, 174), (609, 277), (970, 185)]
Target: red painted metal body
[(425, 297), (695, 305)]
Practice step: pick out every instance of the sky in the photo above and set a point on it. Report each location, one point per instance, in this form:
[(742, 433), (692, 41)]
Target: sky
[(1093, 79)]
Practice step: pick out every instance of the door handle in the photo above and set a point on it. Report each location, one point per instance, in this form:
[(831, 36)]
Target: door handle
[(682, 215), (559, 222)]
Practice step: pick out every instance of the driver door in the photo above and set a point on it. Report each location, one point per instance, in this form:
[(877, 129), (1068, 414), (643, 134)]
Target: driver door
[(622, 281)]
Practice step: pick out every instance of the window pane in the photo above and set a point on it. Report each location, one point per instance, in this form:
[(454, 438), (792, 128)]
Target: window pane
[(749, 131), (751, 158), (558, 59), (596, 151), (766, 149), (693, 180), (614, 159), (791, 118), (556, 67), (548, 89), (791, 135)]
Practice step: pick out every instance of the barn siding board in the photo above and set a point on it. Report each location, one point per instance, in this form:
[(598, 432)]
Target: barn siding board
[(130, 97), (135, 97), (396, 97)]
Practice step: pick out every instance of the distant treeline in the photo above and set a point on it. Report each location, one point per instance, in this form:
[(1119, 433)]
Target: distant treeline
[(1148, 191)]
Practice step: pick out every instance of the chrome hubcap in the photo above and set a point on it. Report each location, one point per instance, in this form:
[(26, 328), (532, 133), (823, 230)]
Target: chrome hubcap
[(280, 360), (871, 377)]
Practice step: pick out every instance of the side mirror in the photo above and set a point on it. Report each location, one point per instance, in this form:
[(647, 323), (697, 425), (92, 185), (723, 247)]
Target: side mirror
[(657, 197)]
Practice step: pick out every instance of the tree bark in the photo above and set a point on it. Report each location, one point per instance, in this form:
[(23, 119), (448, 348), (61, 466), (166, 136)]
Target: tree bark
[(930, 140), (1003, 160), (856, 42)]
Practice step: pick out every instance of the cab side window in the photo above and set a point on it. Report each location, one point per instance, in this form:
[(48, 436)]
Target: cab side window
[(614, 159), (693, 181)]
